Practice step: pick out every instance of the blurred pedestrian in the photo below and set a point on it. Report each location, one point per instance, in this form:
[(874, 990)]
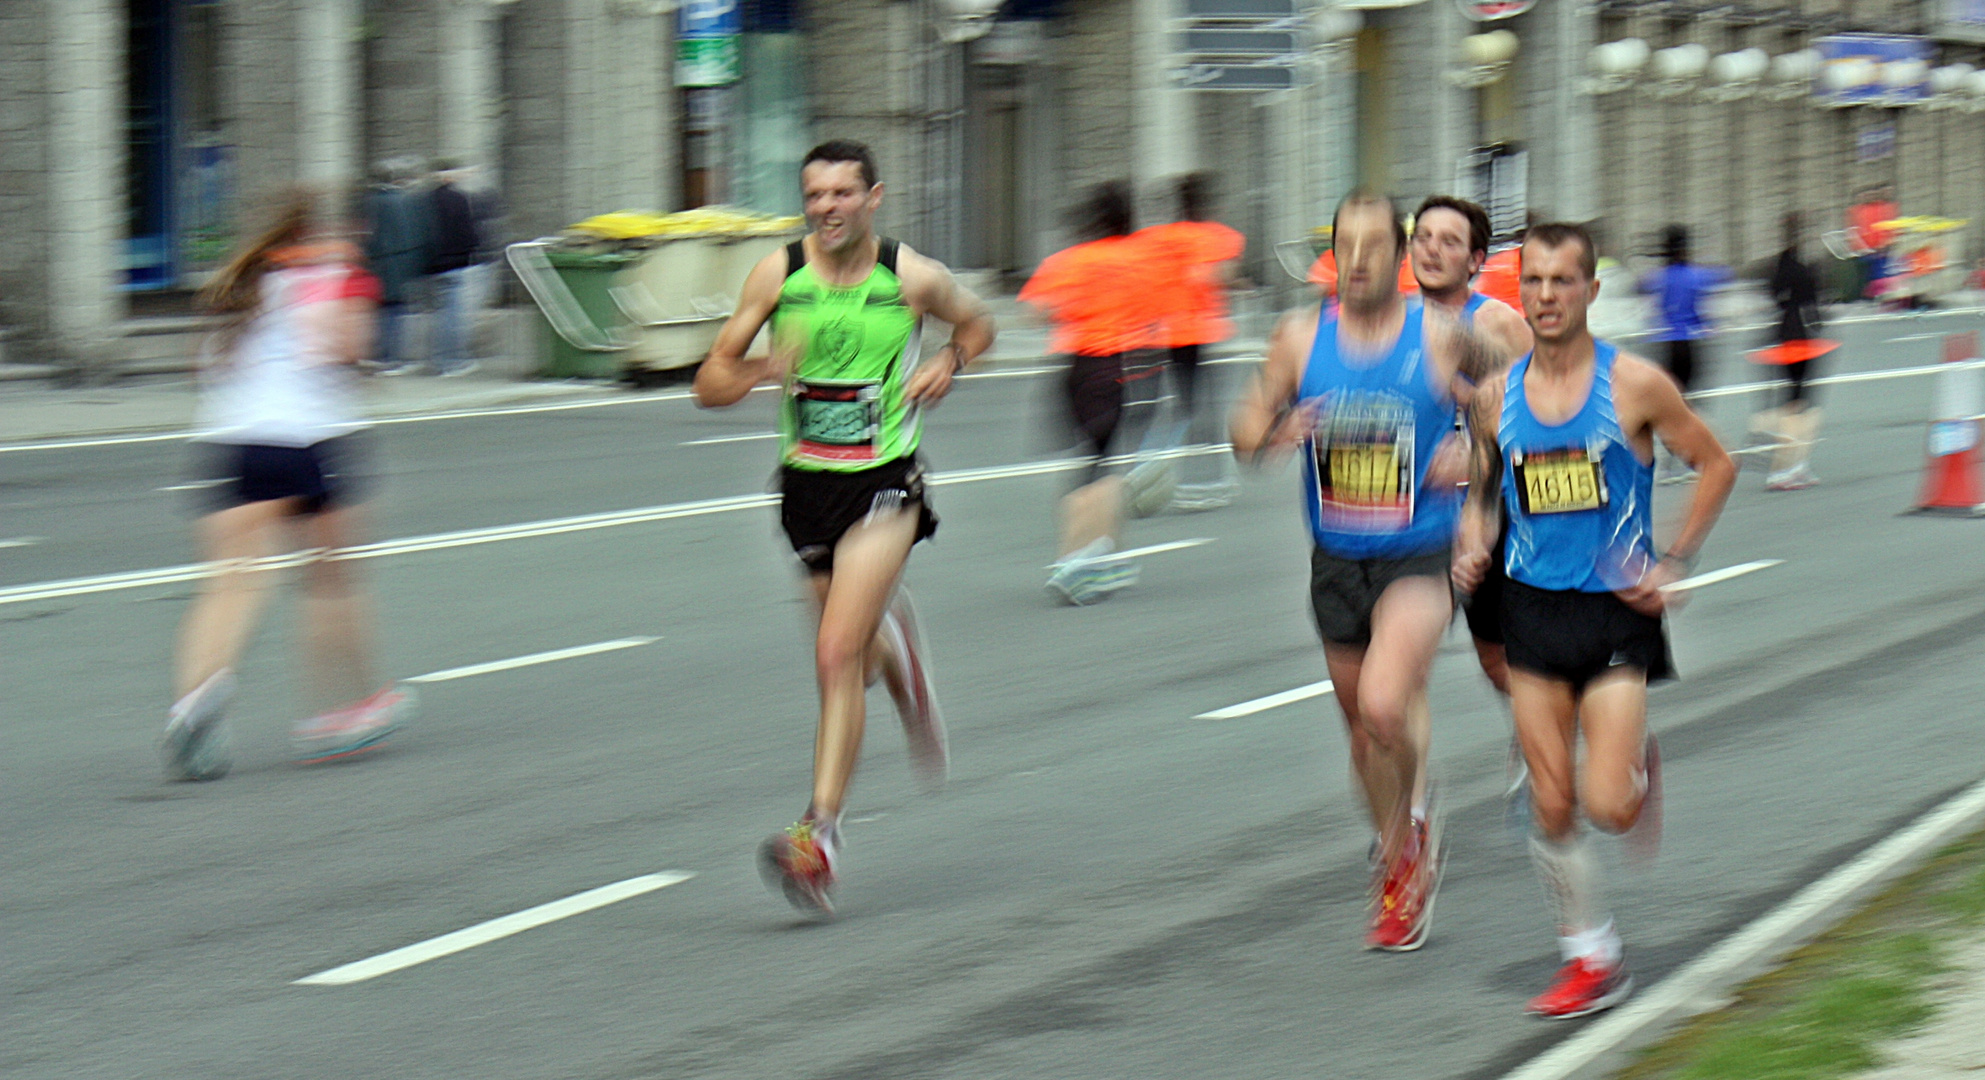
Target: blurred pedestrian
[(1199, 254), (280, 450), (1373, 408), (1793, 426), (1104, 296), (452, 261), (396, 247), (1681, 286), (844, 306)]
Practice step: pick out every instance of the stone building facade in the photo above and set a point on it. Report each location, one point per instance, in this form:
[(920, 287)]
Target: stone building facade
[(137, 136)]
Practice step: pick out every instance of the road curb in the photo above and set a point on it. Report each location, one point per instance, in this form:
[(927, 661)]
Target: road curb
[(1811, 911)]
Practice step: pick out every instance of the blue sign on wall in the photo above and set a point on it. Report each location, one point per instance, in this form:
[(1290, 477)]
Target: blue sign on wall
[(1863, 69), (709, 19)]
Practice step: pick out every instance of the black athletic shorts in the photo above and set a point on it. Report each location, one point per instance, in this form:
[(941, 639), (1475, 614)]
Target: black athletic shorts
[(320, 476), (1344, 591), (1484, 607), (819, 506), (1095, 400), (1578, 636)]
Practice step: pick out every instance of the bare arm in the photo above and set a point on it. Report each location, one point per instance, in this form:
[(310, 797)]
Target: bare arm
[(726, 376), (1265, 418), (1661, 411), (1504, 326), (1475, 536), (932, 289), (1474, 353)]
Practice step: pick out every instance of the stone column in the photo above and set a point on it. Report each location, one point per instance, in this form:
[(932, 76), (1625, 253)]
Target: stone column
[(1562, 125), (1164, 144), (327, 97), (85, 177), (470, 107)]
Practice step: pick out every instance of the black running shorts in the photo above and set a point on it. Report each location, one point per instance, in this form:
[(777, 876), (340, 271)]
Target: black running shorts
[(1577, 636), (1095, 400), (1484, 606), (319, 477), (1344, 591), (819, 506)]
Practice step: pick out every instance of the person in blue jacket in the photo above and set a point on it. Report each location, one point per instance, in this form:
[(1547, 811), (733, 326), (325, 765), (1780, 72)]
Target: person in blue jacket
[(1681, 286)]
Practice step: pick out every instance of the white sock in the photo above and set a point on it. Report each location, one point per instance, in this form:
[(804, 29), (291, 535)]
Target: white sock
[(1599, 944), (1571, 884)]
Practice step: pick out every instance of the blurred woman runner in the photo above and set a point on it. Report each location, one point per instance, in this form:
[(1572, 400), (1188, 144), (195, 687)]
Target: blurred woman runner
[(279, 428), (1200, 254)]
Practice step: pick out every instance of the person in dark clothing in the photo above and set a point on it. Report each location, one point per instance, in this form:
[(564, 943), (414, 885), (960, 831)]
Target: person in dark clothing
[(396, 252), (1795, 425), (452, 263)]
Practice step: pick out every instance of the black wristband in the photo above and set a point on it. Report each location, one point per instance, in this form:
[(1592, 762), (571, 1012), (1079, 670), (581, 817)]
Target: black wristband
[(1686, 562)]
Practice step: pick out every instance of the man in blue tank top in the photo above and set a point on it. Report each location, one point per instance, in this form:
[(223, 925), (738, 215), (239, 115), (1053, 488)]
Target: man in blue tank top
[(1564, 446), (1450, 244), (1374, 412)]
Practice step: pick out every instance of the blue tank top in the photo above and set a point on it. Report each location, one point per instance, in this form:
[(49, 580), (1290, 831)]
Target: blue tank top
[(1578, 498), (1474, 304), (1378, 424)]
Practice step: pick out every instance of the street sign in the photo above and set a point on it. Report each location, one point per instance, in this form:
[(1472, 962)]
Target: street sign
[(1201, 42), (1240, 9), (1237, 77)]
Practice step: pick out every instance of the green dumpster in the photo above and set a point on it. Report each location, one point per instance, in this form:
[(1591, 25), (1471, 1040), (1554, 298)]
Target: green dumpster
[(589, 276)]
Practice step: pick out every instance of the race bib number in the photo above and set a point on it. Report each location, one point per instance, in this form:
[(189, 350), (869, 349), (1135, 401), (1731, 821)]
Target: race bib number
[(1365, 468), (1559, 481), (837, 422)]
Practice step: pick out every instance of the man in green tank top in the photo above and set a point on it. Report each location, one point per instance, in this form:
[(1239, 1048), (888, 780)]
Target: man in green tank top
[(846, 308)]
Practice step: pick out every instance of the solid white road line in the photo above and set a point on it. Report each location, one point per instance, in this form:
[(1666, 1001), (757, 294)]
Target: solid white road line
[(715, 439), (1842, 380), (1272, 701), (1725, 574), (1808, 912), (169, 575), (1156, 549), (20, 542), (447, 674), (486, 932), (193, 485)]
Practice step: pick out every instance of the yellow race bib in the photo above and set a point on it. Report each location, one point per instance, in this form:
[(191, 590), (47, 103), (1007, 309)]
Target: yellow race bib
[(1559, 481)]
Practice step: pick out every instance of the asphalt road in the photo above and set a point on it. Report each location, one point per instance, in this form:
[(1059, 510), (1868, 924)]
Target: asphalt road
[(1110, 887)]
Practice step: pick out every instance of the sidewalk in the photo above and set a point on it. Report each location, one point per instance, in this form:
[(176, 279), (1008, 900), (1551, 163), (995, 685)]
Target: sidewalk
[(1894, 992)]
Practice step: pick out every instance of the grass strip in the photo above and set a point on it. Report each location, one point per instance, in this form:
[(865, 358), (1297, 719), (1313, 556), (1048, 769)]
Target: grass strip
[(1827, 1010)]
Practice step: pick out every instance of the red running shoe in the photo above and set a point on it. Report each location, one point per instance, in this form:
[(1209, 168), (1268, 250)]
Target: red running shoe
[(1403, 909), (800, 862), (1582, 987)]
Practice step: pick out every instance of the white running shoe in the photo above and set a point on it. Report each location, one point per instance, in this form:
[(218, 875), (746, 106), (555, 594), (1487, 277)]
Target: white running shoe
[(195, 746), (353, 729)]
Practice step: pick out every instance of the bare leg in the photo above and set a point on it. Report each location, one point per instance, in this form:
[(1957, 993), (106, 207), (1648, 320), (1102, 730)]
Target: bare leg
[(1392, 685), (1495, 664), (1374, 778), (225, 609), (867, 564), (1091, 512), (1614, 715), (1547, 723), (337, 619)]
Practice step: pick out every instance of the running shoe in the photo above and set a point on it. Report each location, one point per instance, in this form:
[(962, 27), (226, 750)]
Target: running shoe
[(800, 862), (923, 722), (1643, 840), (1068, 578), (1797, 478), (195, 746), (352, 730), (1581, 988), (1404, 909)]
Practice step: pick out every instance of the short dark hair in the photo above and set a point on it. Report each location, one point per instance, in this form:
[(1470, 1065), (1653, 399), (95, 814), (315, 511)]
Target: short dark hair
[(1478, 218), (1366, 197), (838, 150), (1106, 211), (1675, 244), (1195, 196), (1556, 234)]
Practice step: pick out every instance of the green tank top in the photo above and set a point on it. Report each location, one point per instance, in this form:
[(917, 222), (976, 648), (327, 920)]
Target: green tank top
[(843, 409)]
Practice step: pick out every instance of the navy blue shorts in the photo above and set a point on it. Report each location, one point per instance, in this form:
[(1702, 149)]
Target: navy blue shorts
[(319, 477)]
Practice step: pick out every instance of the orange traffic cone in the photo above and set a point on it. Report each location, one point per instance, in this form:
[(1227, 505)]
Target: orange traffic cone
[(1951, 471)]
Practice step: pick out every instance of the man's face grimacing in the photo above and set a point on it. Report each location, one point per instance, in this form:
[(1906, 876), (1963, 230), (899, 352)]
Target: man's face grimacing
[(1367, 256), (839, 207), (1555, 289), (1443, 259)]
